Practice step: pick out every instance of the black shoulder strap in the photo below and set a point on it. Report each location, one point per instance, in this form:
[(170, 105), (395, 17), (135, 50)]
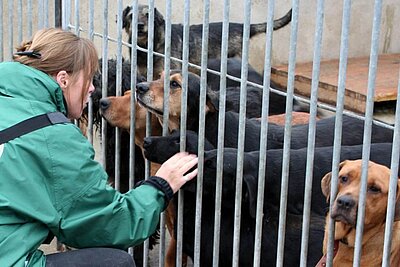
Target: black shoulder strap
[(32, 124)]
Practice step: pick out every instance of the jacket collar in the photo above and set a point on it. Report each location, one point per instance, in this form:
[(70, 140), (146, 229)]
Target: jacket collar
[(20, 81)]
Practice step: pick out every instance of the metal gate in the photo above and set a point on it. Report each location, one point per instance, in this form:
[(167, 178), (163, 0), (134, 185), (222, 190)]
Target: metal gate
[(102, 22)]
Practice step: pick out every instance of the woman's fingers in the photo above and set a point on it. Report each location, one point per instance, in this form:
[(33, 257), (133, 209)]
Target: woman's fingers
[(191, 175), (187, 163)]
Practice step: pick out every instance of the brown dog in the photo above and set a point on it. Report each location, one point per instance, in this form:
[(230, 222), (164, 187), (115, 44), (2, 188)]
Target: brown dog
[(344, 213), (117, 111)]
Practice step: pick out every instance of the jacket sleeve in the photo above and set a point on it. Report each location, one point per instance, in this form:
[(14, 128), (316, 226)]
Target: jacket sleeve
[(92, 213), (104, 217)]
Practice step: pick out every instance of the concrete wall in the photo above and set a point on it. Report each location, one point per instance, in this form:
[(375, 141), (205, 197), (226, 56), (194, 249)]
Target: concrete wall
[(359, 39)]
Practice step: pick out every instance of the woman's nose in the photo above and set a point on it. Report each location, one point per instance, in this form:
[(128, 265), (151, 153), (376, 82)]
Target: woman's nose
[(91, 88)]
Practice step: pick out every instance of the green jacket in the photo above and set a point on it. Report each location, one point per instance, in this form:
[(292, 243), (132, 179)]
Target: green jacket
[(50, 182)]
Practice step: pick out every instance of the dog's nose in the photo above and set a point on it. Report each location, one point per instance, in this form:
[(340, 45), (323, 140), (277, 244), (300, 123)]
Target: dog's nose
[(142, 87), (146, 142), (345, 202), (104, 103), (140, 26)]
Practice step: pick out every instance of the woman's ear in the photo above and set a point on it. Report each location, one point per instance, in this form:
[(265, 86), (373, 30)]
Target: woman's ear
[(62, 79)]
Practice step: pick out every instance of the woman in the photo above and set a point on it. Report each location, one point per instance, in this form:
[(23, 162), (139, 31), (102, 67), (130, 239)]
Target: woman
[(50, 183)]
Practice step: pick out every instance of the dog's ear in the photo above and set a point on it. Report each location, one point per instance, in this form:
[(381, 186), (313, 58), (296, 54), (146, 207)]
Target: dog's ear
[(158, 18), (326, 182), (250, 194), (212, 101), (126, 19), (397, 208), (326, 185)]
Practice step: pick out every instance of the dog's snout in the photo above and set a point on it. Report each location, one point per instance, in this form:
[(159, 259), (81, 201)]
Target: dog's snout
[(345, 202), (104, 103), (146, 142), (140, 26), (142, 87)]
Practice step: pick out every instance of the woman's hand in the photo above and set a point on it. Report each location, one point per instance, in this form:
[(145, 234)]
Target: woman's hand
[(174, 168)]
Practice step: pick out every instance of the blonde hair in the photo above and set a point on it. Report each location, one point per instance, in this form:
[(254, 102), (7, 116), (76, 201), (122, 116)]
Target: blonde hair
[(56, 50)]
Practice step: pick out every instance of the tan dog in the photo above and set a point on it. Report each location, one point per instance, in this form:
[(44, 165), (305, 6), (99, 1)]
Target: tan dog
[(117, 111), (345, 209)]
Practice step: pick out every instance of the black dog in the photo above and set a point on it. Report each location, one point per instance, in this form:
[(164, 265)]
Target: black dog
[(158, 149), (161, 148), (254, 94), (195, 32)]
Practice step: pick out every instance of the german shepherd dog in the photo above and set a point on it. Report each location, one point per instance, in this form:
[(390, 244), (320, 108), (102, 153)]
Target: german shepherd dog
[(195, 32)]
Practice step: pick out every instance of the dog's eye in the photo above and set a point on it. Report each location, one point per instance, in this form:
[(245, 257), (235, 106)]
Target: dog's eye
[(343, 179), (374, 189), (174, 84)]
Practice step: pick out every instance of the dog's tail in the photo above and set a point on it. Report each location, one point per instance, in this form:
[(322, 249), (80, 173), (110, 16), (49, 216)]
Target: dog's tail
[(278, 23)]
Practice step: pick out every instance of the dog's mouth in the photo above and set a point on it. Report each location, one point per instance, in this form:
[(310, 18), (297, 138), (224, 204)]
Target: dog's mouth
[(344, 218), (151, 109)]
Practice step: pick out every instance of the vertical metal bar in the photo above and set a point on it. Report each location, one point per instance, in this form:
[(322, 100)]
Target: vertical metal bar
[(77, 18), (90, 104), (221, 131), (40, 14), (150, 49), (1, 32), (150, 41), (264, 132), (46, 14), (288, 132), (63, 14), (20, 21), (202, 112), (367, 130), (242, 121), (69, 13), (29, 18), (344, 47), (117, 178), (10, 29), (165, 131), (311, 132), (104, 81), (394, 168), (132, 156), (185, 66)]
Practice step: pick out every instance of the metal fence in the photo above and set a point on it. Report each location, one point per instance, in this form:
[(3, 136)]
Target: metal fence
[(18, 19)]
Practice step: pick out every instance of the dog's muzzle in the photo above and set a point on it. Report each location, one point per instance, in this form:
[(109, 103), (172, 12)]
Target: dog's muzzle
[(345, 210), (142, 88)]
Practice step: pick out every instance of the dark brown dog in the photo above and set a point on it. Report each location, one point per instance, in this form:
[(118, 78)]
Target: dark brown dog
[(345, 210), (117, 110), (235, 39)]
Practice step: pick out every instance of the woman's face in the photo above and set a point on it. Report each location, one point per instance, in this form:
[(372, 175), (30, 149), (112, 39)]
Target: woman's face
[(73, 91)]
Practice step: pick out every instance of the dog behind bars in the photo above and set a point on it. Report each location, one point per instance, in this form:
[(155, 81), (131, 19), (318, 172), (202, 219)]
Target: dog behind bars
[(235, 38)]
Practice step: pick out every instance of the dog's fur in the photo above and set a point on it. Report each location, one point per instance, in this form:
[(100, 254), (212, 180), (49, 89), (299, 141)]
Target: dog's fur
[(151, 96), (345, 210), (254, 94), (270, 222), (161, 148), (235, 39)]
